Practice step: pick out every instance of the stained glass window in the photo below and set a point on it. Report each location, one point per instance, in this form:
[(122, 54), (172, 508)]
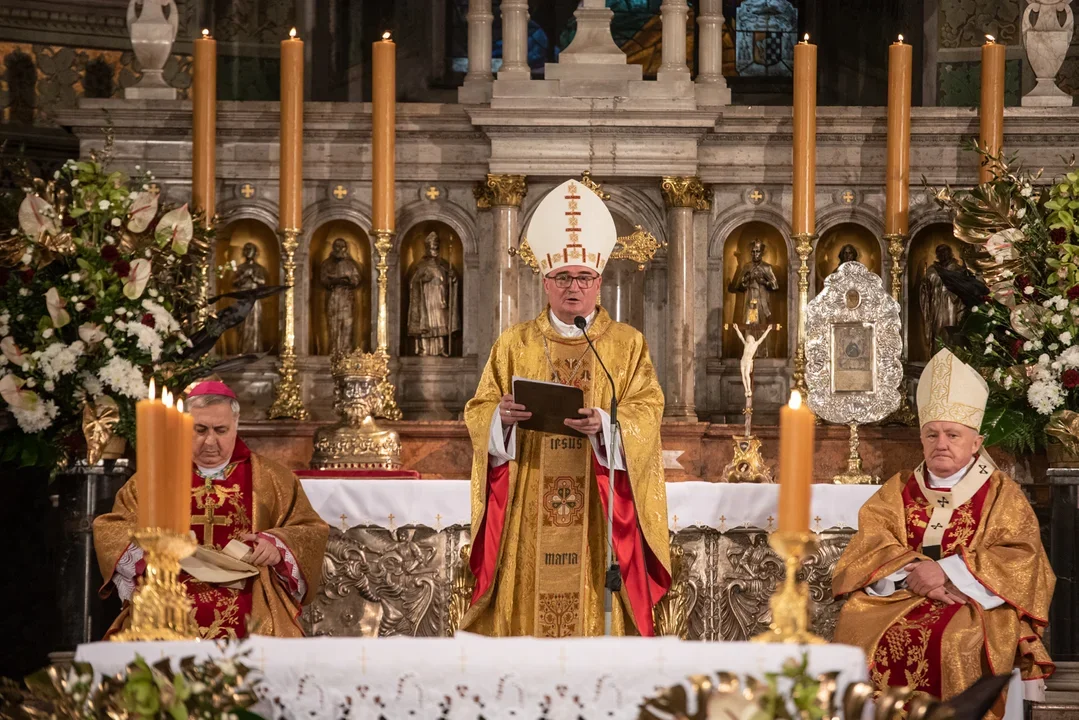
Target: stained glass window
[(763, 33)]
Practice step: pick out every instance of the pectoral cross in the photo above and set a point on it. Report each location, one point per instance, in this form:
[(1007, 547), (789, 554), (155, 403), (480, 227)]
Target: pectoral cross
[(209, 521)]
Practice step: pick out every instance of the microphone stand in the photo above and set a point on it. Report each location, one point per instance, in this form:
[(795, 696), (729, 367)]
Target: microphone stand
[(613, 580)]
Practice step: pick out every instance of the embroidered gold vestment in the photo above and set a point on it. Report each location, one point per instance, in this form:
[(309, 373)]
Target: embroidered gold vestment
[(927, 645), (257, 496), (538, 522)]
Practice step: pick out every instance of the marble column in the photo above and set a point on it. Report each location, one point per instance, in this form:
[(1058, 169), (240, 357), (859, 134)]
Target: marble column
[(674, 14), (514, 41), (477, 85), (712, 88), (502, 195), (683, 196)]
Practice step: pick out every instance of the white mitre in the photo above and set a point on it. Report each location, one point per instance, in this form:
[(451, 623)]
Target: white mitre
[(951, 391), (571, 226)]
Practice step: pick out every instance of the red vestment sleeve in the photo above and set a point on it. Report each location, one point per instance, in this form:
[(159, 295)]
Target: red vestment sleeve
[(644, 576), (483, 557)]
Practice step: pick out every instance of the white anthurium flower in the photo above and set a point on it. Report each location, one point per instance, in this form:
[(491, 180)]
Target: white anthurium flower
[(177, 229), (91, 334), (13, 394), (136, 280), (12, 351), (37, 217), (1001, 245), (142, 212), (55, 305)]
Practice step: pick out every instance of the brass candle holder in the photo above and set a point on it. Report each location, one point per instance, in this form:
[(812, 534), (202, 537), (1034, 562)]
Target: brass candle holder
[(160, 609), (790, 602)]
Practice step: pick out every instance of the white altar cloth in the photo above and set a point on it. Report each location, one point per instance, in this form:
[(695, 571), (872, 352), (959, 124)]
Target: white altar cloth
[(468, 676), (441, 503)]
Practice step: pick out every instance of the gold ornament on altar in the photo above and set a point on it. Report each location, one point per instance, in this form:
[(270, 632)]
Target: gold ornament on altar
[(99, 420), (362, 391), (790, 601), (160, 608)]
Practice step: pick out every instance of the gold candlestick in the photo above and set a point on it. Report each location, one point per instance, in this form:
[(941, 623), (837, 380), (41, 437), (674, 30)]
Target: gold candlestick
[(790, 602), (160, 609), (803, 245), (288, 398)]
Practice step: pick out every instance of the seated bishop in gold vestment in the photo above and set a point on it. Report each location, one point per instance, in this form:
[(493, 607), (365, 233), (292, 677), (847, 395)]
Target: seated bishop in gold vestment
[(539, 500), (946, 579), (236, 495)]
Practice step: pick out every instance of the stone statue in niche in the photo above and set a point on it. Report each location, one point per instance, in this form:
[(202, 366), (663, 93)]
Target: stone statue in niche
[(248, 276), (847, 253), (340, 275), (941, 308), (433, 308), (756, 281)]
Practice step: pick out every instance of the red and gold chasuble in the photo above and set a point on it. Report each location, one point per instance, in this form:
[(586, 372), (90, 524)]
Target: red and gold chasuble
[(221, 512), (911, 648), (987, 523)]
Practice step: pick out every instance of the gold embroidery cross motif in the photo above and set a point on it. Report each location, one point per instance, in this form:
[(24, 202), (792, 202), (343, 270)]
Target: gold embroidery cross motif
[(208, 521)]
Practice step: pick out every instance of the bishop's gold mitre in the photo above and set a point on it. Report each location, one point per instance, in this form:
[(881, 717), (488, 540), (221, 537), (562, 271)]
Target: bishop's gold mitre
[(571, 226), (949, 390)]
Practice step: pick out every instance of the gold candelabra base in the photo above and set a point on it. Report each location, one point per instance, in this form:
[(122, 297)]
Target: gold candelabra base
[(790, 602), (288, 397), (747, 465), (854, 475), (160, 609)]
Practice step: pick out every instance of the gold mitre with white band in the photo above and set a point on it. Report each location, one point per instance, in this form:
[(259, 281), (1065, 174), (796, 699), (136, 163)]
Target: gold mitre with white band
[(571, 226), (949, 390)]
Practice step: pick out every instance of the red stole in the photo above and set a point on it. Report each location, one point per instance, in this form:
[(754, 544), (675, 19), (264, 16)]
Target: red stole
[(909, 652), (223, 508)]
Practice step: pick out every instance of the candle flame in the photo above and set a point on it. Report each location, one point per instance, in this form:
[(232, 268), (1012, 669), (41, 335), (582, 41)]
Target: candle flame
[(180, 405), (386, 35), (900, 37), (166, 397), (292, 33), (152, 394), (796, 400), (805, 38), (990, 38), (205, 32)]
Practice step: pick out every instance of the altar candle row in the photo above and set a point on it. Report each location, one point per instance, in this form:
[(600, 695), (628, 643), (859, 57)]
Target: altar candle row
[(163, 437)]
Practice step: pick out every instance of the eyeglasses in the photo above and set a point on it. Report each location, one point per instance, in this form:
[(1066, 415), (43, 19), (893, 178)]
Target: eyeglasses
[(563, 280)]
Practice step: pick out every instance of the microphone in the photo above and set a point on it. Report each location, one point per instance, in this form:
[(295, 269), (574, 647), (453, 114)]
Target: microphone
[(613, 579)]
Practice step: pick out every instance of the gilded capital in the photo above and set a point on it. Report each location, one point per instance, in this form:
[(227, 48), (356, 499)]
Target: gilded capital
[(505, 190), (688, 192)]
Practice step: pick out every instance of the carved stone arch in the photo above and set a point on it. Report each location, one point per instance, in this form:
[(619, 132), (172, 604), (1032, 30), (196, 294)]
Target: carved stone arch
[(837, 214), (452, 214), (729, 221), (325, 210), (262, 209), (926, 214), (638, 208)]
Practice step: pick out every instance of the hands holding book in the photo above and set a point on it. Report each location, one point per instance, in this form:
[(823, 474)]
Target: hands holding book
[(511, 412)]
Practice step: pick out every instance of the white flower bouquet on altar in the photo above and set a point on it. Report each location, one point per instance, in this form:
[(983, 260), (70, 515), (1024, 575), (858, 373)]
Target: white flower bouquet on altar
[(95, 294), (1023, 337)]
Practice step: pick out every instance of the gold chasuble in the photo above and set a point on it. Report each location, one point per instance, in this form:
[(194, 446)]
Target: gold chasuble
[(927, 645), (252, 495), (539, 522)]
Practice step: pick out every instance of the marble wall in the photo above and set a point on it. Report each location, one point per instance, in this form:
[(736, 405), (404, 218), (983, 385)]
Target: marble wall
[(741, 155)]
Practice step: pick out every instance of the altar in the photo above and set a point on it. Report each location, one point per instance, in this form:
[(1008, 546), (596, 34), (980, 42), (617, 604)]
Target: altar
[(395, 558), (470, 676)]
